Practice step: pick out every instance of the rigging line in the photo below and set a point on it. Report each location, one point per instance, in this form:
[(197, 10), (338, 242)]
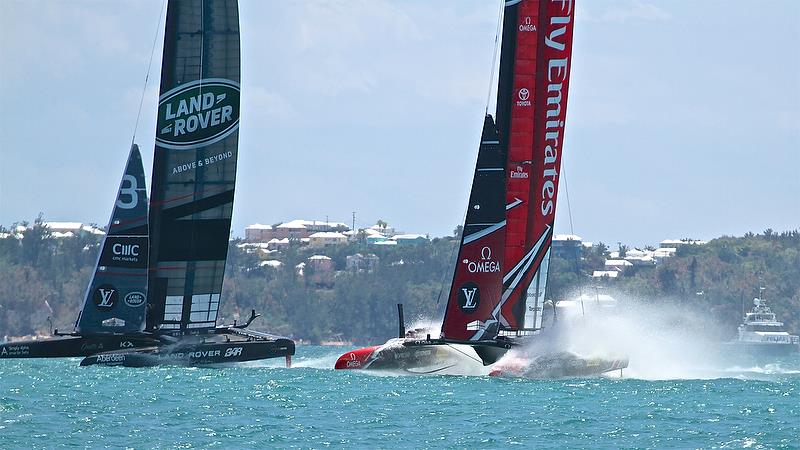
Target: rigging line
[(147, 76), (572, 232), (452, 347), (445, 273), (494, 54), (566, 191)]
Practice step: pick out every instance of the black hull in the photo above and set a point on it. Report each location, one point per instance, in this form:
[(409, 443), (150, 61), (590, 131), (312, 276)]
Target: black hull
[(228, 351), (74, 346)]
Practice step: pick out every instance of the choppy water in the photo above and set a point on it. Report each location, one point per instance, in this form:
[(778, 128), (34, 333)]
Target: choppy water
[(56, 404)]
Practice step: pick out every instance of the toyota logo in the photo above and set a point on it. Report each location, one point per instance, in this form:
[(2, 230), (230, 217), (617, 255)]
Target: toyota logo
[(524, 94)]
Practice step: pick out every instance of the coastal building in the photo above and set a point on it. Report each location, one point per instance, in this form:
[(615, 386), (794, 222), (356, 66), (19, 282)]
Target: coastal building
[(608, 274), (568, 246), (271, 263), (69, 229), (327, 238), (258, 233), (362, 263), (678, 243), (409, 239), (294, 229), (319, 270), (617, 264)]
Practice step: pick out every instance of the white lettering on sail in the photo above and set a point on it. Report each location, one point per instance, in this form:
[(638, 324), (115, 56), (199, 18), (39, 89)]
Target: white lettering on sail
[(202, 162), (485, 265), (125, 250), (557, 73), (130, 191)]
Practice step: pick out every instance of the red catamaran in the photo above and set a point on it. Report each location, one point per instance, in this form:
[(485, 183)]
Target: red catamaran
[(498, 288)]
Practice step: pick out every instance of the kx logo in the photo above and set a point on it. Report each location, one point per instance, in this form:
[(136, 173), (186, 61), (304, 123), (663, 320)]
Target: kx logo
[(469, 294)]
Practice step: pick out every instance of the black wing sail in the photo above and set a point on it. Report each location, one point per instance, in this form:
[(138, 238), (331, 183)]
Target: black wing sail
[(194, 166), (115, 299), (478, 277)]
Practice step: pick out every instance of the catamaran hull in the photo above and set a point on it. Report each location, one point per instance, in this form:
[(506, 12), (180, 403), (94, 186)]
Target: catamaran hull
[(199, 354), (556, 365), (414, 356), (72, 346)]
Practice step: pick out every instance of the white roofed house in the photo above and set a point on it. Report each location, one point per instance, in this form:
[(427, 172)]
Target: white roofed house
[(327, 238), (664, 252), (258, 233), (677, 243), (319, 270), (568, 246), (278, 244), (643, 258), (69, 229), (608, 274), (300, 228), (383, 228), (617, 264), (360, 263), (255, 247), (295, 229)]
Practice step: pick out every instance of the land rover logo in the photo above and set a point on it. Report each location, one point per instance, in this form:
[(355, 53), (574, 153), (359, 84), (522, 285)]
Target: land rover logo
[(198, 113), (105, 296), (469, 297), (134, 299)]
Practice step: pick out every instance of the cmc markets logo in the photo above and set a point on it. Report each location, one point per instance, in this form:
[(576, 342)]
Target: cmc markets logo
[(125, 252), (527, 25), (485, 265), (198, 113), (134, 299), (519, 172), (524, 95), (469, 297), (105, 296)]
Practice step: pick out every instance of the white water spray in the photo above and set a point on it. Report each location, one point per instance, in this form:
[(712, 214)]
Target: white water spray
[(661, 340)]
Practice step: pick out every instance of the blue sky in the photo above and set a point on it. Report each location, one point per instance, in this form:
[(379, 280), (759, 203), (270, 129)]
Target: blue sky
[(683, 116)]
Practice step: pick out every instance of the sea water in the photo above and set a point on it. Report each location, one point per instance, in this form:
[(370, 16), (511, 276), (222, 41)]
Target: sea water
[(54, 403)]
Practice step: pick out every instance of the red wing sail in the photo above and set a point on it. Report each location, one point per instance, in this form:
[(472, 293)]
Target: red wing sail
[(477, 281), (532, 105)]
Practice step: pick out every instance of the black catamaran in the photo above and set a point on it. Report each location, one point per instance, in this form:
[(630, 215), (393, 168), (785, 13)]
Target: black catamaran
[(497, 295), (156, 292)]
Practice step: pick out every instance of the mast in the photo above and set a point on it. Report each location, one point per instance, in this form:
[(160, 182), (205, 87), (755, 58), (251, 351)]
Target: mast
[(115, 298), (194, 166)]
